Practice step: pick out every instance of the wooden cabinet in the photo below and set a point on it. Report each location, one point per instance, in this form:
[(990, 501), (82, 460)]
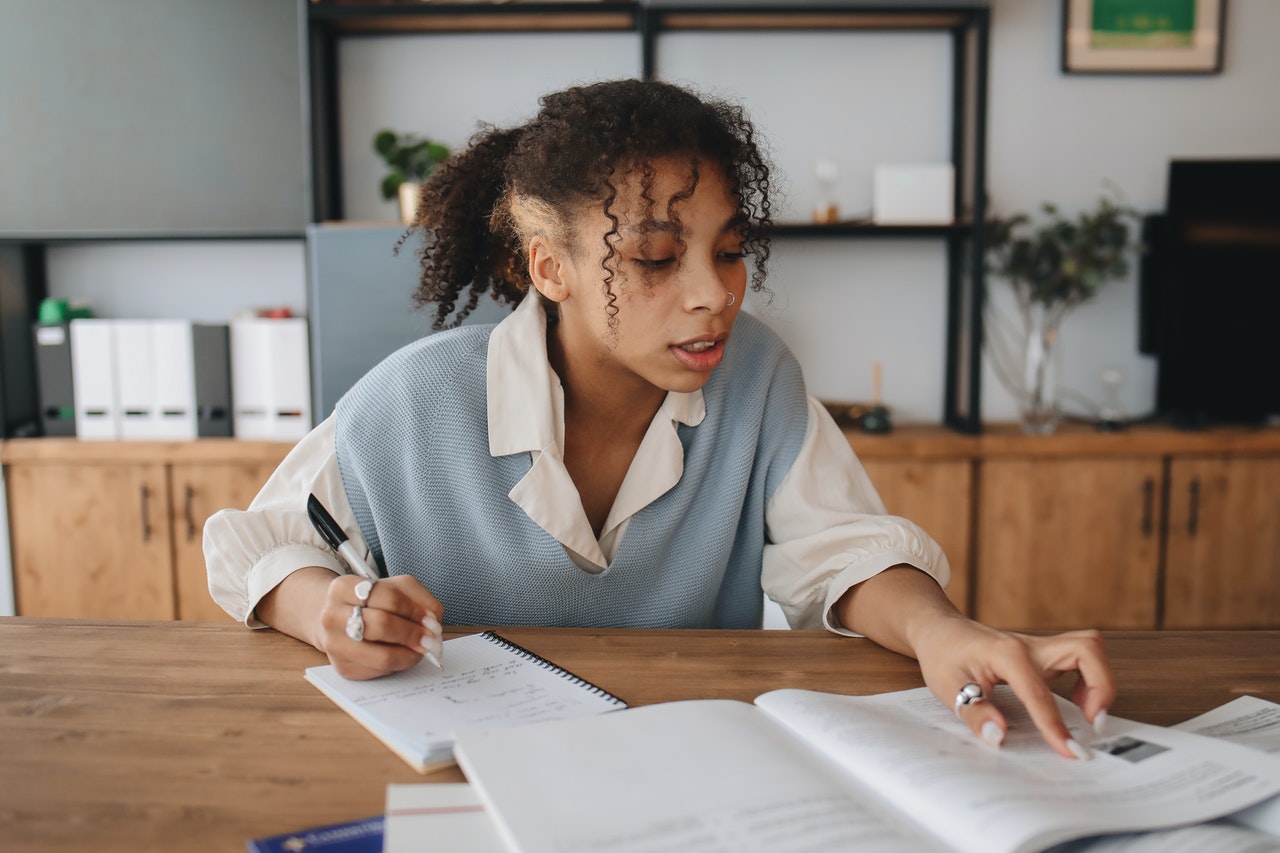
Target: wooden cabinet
[(1069, 543), (935, 494), (90, 540), (107, 529), (1147, 528), (197, 491), (1223, 559)]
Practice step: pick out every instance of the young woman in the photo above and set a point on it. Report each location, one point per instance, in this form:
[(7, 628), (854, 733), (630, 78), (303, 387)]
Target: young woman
[(626, 449)]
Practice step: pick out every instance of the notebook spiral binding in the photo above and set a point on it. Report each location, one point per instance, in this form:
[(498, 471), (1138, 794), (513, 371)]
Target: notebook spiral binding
[(494, 636)]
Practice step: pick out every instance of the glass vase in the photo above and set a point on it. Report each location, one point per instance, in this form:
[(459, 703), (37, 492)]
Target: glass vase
[(1039, 414)]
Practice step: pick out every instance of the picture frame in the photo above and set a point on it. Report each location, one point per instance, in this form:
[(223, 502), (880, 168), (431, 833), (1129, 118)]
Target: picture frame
[(1143, 36)]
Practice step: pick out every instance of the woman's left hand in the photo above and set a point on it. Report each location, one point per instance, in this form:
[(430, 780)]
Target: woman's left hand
[(957, 651), (904, 609)]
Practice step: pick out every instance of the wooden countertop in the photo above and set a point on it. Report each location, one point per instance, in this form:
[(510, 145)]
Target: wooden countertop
[(905, 442), (177, 736), (74, 450), (916, 441)]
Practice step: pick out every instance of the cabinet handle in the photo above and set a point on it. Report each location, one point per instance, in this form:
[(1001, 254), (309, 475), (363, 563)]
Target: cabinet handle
[(1148, 506), (1193, 508), (188, 498), (145, 495)]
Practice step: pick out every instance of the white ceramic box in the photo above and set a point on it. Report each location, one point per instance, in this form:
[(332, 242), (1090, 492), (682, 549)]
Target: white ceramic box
[(914, 194)]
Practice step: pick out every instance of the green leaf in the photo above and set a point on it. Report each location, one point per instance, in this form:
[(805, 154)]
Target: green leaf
[(391, 184)]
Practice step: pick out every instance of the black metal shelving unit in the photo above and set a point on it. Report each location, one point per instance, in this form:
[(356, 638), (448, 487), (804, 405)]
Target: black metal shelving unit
[(968, 24)]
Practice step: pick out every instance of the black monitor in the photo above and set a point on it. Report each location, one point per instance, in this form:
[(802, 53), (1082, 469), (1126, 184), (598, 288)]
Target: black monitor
[(1210, 292)]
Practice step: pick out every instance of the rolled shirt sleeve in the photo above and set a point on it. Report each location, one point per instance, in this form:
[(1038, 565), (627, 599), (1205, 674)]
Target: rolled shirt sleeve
[(829, 531), (249, 552)]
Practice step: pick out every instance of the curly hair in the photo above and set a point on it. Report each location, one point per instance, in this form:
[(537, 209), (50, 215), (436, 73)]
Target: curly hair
[(480, 208)]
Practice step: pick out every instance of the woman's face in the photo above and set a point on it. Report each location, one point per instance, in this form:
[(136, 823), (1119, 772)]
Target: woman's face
[(676, 277)]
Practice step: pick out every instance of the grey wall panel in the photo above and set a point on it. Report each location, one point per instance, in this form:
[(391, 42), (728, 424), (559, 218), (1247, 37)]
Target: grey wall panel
[(151, 116), (360, 302)]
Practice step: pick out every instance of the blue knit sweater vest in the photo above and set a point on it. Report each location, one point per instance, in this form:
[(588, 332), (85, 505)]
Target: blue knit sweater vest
[(413, 447)]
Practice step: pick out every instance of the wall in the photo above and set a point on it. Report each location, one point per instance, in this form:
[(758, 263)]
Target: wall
[(840, 305), (205, 280), (146, 116), (1065, 138)]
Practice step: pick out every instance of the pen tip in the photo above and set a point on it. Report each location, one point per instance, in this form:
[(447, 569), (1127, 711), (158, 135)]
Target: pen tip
[(431, 656)]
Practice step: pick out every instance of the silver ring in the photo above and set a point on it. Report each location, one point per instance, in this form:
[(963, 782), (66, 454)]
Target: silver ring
[(732, 299), (970, 694), (362, 591), (355, 624)]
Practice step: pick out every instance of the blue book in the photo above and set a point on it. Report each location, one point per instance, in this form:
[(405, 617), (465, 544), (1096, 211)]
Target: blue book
[(357, 836)]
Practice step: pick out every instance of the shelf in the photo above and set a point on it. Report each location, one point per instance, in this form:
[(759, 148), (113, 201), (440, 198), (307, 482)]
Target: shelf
[(407, 18), (966, 22), (65, 237), (792, 18), (870, 229)]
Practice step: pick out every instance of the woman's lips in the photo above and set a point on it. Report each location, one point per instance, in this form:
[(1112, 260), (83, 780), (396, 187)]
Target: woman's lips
[(701, 355)]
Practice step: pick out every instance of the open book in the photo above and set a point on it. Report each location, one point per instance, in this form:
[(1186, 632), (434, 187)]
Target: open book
[(801, 770), (487, 681)]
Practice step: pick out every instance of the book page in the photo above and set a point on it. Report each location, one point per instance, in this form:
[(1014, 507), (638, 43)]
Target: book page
[(1024, 795), (438, 816), (417, 712), (1214, 837), (1246, 720), (697, 776), (1255, 723)]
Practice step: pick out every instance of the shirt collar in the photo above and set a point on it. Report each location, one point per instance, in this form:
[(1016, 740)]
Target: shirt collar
[(525, 399)]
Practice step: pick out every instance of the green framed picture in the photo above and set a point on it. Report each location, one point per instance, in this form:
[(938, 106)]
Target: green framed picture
[(1143, 36)]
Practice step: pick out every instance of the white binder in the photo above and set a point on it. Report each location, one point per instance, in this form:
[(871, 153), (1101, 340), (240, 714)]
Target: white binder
[(93, 378), (270, 378), (150, 379)]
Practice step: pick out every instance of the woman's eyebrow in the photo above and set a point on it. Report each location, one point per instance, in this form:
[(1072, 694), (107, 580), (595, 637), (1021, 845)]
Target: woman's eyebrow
[(647, 227)]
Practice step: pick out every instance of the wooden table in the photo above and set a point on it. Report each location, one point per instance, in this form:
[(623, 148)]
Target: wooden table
[(173, 736)]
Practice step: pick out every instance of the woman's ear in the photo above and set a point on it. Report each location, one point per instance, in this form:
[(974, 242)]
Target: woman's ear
[(547, 268)]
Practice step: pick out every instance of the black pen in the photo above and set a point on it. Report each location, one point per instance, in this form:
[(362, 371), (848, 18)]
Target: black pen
[(333, 534)]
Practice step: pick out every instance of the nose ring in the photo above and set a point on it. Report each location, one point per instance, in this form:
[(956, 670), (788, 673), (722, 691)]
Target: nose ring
[(732, 299)]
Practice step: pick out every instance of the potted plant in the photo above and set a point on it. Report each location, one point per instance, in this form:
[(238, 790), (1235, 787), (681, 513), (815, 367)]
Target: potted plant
[(1051, 266), (410, 160)]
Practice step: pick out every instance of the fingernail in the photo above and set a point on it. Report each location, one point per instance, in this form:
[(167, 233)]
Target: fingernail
[(432, 624), (432, 647), (1100, 722), (992, 734), (1080, 752)]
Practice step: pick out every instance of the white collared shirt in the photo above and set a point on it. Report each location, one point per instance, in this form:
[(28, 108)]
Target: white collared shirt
[(827, 527)]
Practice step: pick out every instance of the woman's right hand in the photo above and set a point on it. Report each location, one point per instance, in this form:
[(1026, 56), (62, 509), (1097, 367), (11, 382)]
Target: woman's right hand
[(402, 623)]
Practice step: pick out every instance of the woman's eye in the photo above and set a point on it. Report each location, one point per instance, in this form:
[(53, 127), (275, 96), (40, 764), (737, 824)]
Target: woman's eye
[(732, 256), (654, 263)]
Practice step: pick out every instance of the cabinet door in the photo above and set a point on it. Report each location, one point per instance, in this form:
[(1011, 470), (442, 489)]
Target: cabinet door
[(1068, 543), (91, 541), (938, 496), (1223, 563), (200, 490)]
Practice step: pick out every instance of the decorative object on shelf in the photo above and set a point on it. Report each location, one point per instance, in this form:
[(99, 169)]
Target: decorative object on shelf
[(913, 194), (876, 418), (411, 160), (1051, 268), (1143, 36), (826, 211), (1111, 415)]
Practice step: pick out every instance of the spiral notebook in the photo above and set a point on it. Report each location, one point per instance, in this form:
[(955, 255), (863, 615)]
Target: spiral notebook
[(487, 681)]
